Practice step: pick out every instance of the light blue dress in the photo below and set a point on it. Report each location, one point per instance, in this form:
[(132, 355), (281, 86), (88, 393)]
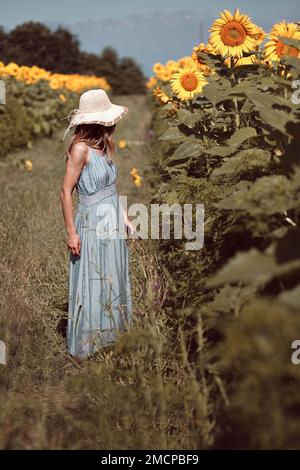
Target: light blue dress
[(100, 304)]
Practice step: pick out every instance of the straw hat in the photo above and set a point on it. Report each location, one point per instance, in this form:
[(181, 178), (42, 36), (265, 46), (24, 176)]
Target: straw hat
[(95, 107)]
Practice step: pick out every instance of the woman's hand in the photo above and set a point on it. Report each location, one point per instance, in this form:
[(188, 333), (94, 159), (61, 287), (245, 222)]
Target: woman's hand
[(131, 232), (74, 244), (129, 228)]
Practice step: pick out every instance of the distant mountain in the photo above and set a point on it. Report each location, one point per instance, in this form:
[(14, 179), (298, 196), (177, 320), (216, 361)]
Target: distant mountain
[(148, 38)]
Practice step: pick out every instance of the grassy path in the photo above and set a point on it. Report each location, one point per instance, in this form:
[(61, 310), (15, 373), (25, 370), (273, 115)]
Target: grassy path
[(34, 273)]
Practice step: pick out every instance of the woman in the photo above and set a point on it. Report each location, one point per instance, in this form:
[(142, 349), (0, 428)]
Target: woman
[(99, 281)]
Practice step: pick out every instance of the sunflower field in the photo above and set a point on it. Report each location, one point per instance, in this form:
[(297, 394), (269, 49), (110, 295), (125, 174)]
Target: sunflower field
[(227, 119), (36, 101)]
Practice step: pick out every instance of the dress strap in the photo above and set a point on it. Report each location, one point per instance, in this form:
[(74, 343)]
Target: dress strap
[(90, 154)]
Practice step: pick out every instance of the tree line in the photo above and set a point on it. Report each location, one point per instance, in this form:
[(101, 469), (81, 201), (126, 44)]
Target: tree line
[(33, 43)]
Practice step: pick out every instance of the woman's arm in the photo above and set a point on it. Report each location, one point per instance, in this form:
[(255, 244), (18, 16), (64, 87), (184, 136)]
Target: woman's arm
[(76, 161), (130, 229)]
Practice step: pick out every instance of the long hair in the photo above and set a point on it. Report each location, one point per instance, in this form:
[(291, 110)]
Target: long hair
[(96, 136)]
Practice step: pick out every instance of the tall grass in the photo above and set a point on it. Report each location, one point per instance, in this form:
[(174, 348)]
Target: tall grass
[(141, 393)]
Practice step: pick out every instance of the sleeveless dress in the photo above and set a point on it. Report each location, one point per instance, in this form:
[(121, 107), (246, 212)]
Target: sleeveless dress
[(100, 304)]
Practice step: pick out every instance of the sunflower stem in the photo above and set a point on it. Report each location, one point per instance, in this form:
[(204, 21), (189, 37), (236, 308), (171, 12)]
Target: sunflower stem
[(235, 101), (232, 74), (191, 105)]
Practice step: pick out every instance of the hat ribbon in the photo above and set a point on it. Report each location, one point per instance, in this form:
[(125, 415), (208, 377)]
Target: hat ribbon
[(72, 114)]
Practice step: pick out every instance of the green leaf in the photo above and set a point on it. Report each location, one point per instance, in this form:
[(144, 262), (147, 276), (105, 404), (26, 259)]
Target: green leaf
[(291, 298), (244, 161), (45, 127), (219, 150), (188, 149), (214, 91), (240, 136), (249, 267), (37, 128), (247, 107), (267, 195), (233, 143), (293, 62), (265, 105), (188, 118), (173, 134)]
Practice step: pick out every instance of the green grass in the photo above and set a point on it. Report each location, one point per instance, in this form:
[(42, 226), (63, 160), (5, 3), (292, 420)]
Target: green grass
[(137, 394)]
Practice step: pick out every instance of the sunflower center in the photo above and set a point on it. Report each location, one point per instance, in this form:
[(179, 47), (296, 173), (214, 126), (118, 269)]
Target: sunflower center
[(189, 81), (284, 50), (233, 34)]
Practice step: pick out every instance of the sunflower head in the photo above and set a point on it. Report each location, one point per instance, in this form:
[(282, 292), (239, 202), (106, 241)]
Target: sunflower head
[(185, 61), (275, 48), (161, 96), (172, 66), (259, 35), (233, 34), (28, 165), (122, 143), (200, 64), (187, 82), (205, 48), (165, 75), (11, 69), (151, 82), (157, 67)]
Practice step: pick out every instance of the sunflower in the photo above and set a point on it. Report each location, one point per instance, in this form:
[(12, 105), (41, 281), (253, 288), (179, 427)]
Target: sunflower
[(172, 66), (233, 34), (160, 95), (28, 165), (165, 75), (54, 83), (185, 61), (151, 82), (259, 35), (137, 179), (133, 171), (12, 69), (158, 67), (275, 49), (122, 144), (187, 82), (23, 73), (208, 49)]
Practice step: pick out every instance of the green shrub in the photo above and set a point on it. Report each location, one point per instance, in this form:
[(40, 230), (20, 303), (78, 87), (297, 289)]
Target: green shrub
[(31, 111)]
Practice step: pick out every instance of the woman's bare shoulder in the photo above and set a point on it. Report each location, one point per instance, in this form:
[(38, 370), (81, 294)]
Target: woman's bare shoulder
[(78, 152)]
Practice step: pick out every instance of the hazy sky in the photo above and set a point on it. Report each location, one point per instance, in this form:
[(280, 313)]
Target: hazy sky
[(16, 11)]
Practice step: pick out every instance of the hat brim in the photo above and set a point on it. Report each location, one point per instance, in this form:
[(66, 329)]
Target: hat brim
[(107, 118)]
